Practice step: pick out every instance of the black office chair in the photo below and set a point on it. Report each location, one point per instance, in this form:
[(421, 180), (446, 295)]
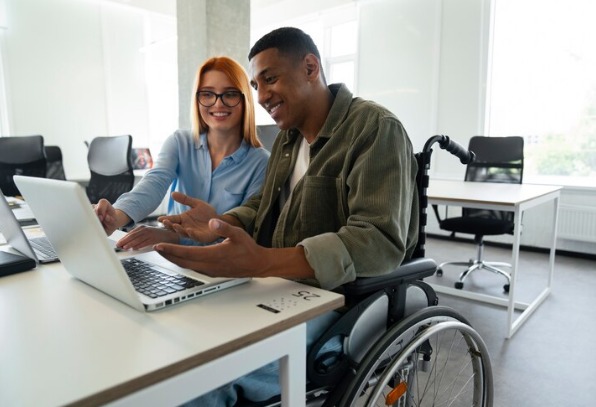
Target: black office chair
[(20, 155), (54, 166), (498, 159), (110, 164)]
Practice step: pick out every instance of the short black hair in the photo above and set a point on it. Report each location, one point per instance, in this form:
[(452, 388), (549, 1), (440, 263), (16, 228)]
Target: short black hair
[(289, 41)]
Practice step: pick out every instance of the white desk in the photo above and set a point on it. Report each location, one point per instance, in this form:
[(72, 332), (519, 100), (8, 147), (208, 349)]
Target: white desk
[(20, 209), (504, 197), (65, 343)]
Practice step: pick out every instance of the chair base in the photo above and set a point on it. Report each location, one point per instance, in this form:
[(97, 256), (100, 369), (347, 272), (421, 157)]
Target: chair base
[(474, 265)]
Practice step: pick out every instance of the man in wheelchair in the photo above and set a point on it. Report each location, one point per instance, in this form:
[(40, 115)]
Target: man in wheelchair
[(339, 201)]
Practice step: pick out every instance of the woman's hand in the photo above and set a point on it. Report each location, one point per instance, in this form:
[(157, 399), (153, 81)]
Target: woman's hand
[(143, 236), (107, 216), (110, 217)]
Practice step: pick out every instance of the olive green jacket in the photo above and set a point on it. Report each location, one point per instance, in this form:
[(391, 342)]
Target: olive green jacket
[(355, 211)]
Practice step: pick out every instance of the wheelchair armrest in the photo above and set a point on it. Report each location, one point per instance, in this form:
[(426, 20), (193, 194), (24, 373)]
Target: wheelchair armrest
[(361, 294), (318, 371), (410, 270)]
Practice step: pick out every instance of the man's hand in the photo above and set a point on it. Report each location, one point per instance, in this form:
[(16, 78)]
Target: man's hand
[(237, 256), (194, 222), (143, 236)]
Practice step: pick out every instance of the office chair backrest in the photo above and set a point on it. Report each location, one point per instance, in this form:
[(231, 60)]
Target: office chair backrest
[(267, 134), (498, 159), (22, 155), (55, 167), (110, 164)]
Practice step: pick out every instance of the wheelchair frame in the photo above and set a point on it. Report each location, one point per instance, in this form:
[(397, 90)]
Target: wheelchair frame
[(400, 347)]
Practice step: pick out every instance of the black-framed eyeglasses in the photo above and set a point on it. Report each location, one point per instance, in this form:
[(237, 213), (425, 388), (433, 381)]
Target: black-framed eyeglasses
[(230, 98)]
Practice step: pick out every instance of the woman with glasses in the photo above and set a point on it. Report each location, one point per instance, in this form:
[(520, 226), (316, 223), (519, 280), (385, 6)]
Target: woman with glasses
[(220, 161)]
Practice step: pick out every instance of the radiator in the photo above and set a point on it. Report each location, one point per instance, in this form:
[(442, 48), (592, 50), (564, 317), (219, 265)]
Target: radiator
[(577, 222)]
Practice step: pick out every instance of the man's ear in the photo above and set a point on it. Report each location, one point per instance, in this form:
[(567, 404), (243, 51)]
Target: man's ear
[(312, 66)]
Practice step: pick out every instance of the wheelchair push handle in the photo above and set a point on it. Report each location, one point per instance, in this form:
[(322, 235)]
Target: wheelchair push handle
[(465, 156)]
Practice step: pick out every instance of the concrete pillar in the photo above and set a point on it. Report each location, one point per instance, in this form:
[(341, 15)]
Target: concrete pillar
[(208, 28)]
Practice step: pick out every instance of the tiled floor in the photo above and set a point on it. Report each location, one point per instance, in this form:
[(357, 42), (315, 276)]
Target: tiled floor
[(551, 360)]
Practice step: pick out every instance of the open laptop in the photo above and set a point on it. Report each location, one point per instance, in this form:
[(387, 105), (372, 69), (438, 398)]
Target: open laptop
[(37, 248), (21, 211), (68, 220)]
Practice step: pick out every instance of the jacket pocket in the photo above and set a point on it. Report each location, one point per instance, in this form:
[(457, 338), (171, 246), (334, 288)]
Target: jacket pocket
[(321, 208)]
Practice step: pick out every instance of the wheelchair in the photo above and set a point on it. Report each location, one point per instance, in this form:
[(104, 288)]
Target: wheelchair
[(400, 348)]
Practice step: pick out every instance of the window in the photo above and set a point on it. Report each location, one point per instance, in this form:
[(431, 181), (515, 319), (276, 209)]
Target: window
[(161, 76), (4, 127), (340, 58), (543, 86)]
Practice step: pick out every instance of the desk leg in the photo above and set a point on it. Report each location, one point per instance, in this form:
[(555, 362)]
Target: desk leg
[(293, 383), (514, 267), (288, 346), (513, 325), (553, 242)]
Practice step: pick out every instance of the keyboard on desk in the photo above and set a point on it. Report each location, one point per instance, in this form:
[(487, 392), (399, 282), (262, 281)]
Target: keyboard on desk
[(153, 283), (43, 248)]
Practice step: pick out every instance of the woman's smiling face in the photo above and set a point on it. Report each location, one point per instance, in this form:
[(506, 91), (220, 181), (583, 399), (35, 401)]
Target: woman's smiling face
[(219, 116)]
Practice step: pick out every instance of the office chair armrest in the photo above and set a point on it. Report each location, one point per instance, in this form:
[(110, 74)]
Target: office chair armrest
[(437, 214), (414, 269)]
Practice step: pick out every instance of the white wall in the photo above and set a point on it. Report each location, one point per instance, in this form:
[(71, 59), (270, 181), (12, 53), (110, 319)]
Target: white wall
[(54, 71), (398, 61), (423, 60), (463, 77), (78, 75), (75, 70), (428, 62), (124, 69)]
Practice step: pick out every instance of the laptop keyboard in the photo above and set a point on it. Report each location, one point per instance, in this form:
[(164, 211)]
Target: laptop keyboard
[(42, 245), (153, 283)]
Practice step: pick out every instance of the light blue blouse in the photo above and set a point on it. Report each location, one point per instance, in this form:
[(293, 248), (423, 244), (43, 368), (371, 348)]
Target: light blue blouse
[(186, 167)]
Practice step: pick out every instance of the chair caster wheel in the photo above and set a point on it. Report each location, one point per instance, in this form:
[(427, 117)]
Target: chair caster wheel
[(506, 288), (459, 285), (439, 272)]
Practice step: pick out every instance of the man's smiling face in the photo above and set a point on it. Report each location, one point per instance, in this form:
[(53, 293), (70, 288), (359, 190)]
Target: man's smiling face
[(280, 84)]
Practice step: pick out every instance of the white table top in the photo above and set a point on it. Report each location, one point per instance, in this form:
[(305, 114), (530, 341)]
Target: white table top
[(447, 191), (63, 341)]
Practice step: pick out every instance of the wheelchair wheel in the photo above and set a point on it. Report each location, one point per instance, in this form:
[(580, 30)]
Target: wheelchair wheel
[(431, 358)]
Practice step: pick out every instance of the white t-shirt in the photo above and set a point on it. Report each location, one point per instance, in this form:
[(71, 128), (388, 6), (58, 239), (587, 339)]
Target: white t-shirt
[(300, 168)]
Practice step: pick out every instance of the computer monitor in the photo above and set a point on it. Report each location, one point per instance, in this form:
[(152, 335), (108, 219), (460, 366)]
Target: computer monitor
[(141, 158)]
